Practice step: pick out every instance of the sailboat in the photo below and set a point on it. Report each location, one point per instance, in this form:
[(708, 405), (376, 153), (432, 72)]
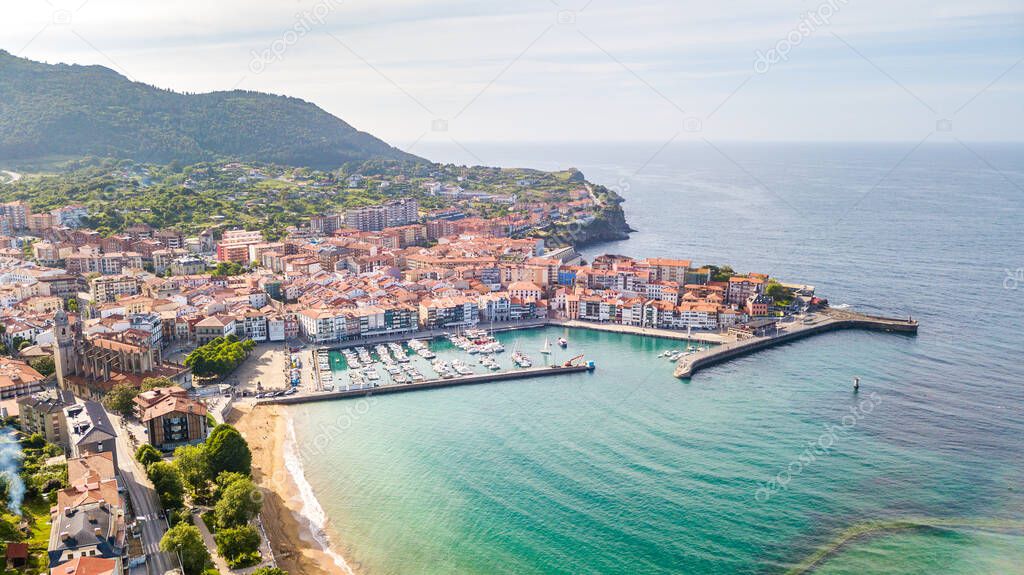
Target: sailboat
[(547, 346)]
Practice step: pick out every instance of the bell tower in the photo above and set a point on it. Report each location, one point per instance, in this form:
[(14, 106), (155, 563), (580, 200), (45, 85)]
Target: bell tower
[(63, 354)]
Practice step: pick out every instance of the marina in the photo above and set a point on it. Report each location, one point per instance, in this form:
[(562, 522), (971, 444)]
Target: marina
[(431, 384), (471, 355), (476, 353)]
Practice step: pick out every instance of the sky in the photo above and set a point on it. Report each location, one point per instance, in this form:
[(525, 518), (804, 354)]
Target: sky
[(412, 71)]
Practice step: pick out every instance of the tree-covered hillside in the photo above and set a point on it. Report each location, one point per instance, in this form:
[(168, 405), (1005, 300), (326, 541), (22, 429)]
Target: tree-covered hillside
[(69, 110)]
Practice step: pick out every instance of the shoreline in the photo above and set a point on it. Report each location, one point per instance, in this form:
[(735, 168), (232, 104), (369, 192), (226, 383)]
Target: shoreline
[(294, 519), (290, 508)]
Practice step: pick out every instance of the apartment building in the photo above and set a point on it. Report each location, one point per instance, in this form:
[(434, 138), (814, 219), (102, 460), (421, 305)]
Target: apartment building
[(448, 312), (106, 289)]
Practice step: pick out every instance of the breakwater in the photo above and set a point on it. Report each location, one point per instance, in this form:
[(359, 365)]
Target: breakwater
[(431, 384), (828, 320)]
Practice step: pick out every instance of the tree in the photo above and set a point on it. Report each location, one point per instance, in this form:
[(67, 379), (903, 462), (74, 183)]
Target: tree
[(185, 541), (781, 294), (44, 365), (34, 441), (147, 454), (721, 273), (228, 451), (19, 343), (239, 546), (193, 464), (121, 399), (238, 504), (226, 478), (270, 571), (219, 356), (155, 382), (167, 482), (73, 305)]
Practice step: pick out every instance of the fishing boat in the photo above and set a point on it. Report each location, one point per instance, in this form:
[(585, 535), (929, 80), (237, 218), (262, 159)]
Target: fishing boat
[(563, 343)]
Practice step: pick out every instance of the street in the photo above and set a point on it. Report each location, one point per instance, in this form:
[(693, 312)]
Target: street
[(145, 504)]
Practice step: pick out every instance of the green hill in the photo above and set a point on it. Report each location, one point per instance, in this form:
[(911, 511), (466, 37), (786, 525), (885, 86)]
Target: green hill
[(69, 110)]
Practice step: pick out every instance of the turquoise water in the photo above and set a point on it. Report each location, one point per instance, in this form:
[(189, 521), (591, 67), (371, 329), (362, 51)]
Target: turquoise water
[(526, 342), (630, 470)]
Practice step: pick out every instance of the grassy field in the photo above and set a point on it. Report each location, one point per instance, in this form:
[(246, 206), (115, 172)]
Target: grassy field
[(36, 511)]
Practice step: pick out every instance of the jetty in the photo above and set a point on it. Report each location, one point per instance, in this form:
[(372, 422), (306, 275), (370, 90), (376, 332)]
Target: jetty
[(662, 333), (826, 320), (430, 384)]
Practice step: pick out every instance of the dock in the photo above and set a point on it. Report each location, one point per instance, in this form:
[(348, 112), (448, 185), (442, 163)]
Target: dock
[(430, 384), (825, 321)]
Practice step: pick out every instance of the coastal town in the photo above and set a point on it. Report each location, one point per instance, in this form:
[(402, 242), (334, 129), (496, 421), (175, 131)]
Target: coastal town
[(126, 353)]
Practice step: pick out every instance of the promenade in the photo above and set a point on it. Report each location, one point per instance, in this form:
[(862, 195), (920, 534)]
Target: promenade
[(822, 322)]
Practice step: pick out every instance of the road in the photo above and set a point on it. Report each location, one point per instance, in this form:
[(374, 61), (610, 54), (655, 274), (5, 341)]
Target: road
[(145, 503), (13, 176)]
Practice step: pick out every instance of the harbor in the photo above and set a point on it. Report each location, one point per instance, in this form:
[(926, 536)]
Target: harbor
[(474, 355), (775, 334), (464, 357)]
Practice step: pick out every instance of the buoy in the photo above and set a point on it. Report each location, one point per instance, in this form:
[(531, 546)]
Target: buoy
[(856, 383)]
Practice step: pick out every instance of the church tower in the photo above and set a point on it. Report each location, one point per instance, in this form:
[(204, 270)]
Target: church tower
[(64, 353)]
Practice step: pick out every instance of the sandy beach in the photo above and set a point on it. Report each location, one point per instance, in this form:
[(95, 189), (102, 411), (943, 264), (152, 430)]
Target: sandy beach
[(291, 537)]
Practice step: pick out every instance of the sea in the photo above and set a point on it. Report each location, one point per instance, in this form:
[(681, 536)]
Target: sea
[(767, 464)]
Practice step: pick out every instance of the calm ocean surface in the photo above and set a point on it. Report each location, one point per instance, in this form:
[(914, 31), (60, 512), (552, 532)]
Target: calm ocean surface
[(628, 470)]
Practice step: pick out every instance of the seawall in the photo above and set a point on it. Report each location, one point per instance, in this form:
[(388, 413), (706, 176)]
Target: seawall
[(431, 384), (832, 320)]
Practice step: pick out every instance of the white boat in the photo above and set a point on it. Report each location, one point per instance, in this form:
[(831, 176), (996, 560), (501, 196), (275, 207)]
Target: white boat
[(562, 343), (461, 368), (547, 346), (521, 359)]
